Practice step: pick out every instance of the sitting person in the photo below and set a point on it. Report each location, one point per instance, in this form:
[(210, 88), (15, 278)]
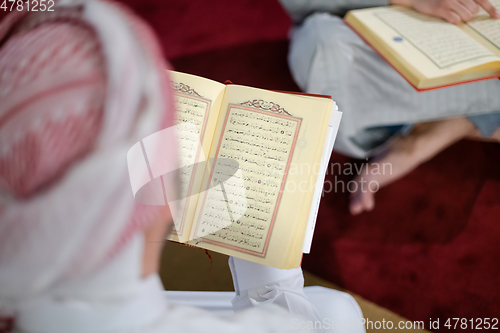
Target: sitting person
[(384, 116), (79, 87)]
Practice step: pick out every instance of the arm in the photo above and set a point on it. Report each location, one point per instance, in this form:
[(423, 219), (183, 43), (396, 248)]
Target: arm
[(454, 11), (299, 9)]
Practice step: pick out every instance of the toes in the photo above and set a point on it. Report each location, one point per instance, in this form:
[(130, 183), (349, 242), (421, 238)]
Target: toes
[(356, 208), (361, 201), (369, 201), (356, 203)]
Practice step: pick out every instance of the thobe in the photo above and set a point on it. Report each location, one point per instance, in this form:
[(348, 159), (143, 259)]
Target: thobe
[(117, 299)]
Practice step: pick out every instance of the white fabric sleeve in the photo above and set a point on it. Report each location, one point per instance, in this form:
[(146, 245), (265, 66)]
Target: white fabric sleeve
[(257, 284)]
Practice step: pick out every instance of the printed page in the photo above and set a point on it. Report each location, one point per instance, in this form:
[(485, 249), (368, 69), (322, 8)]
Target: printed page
[(261, 212), (428, 46), (197, 103), (487, 27)]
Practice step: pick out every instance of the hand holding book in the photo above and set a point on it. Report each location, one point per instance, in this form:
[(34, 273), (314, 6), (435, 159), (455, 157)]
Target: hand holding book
[(430, 52), (453, 11)]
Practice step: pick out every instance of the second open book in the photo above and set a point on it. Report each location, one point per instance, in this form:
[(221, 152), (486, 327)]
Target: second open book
[(252, 168), (429, 52)]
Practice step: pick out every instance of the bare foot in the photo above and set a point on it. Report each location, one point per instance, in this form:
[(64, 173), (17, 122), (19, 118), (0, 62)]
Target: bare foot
[(407, 152), (496, 135)]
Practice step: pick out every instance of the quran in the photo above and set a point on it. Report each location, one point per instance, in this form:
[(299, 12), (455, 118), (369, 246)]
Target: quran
[(252, 168), (428, 52)]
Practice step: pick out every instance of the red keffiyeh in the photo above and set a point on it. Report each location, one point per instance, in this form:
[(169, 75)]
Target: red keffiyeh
[(78, 87)]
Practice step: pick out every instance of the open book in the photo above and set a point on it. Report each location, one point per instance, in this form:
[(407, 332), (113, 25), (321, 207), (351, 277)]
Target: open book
[(252, 163), (429, 52)]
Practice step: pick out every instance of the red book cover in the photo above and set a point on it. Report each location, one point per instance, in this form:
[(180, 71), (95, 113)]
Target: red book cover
[(419, 89)]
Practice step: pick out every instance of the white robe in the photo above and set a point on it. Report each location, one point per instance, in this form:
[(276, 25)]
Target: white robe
[(116, 299)]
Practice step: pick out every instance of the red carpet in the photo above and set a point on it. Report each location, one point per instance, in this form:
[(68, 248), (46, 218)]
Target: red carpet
[(430, 249)]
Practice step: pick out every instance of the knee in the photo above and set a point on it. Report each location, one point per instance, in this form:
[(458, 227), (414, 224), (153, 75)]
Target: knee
[(321, 50)]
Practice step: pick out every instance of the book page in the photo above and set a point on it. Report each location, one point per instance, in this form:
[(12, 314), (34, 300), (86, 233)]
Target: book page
[(260, 212), (262, 142), (333, 127), (428, 47), (486, 26), (442, 43), (197, 102)]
